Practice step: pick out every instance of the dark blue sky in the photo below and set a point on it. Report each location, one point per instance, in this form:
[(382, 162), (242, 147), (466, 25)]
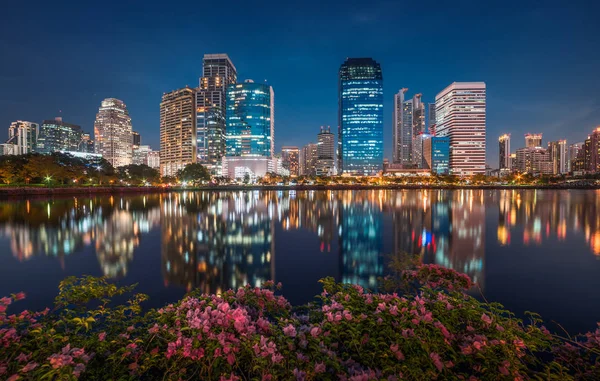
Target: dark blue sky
[(540, 60)]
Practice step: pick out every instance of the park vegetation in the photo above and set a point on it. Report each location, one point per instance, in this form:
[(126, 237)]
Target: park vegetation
[(421, 326)]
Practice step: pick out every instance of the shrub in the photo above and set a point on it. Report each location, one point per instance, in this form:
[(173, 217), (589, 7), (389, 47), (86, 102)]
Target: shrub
[(434, 332)]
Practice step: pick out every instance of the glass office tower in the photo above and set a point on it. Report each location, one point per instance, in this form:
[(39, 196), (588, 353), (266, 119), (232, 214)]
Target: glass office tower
[(250, 120), (360, 117), (217, 74)]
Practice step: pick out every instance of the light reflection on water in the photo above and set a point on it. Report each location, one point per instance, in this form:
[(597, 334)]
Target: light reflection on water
[(506, 240)]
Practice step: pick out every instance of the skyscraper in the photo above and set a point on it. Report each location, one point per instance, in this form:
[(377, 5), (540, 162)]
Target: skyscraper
[(24, 135), (418, 128), (360, 117), (291, 159), (504, 151), (431, 118), (57, 135), (460, 115), (325, 152), (401, 135), (218, 73), (573, 153), (308, 160), (113, 133), (250, 133), (559, 157), (177, 131), (533, 140), (136, 138), (436, 154)]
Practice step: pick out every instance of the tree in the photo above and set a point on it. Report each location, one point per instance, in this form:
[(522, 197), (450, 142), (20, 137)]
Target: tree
[(138, 173), (194, 173)]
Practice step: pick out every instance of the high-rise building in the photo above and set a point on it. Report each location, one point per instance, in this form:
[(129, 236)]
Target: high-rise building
[(573, 153), (418, 128), (141, 154), (431, 118), (559, 157), (460, 111), (87, 143), (533, 140), (534, 160), (250, 133), (419, 161), (325, 152), (504, 151), (57, 135), (8, 149), (308, 160), (136, 138), (401, 132), (436, 154), (113, 132), (154, 159), (177, 131), (290, 157), (218, 72), (588, 157), (24, 135), (360, 117)]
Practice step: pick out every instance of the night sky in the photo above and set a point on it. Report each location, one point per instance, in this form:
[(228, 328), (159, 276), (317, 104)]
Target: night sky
[(540, 60)]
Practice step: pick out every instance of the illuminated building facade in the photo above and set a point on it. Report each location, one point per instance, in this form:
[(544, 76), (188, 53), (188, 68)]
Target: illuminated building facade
[(559, 156), (177, 131), (504, 151), (573, 153), (290, 157), (308, 160), (418, 129), (24, 136), (57, 135), (401, 131), (436, 154), (325, 152), (534, 160), (250, 134), (533, 140), (461, 116), (360, 117), (113, 133), (136, 138), (218, 72)]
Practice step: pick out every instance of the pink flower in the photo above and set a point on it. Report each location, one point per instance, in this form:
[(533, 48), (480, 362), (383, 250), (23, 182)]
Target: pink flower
[(79, 368), (5, 301), (132, 346), (320, 367), (101, 336), (22, 357), (315, 331), (58, 361), (3, 309), (19, 296), (276, 358), (504, 368), (289, 330), (486, 319), (29, 367), (436, 361), (133, 366), (14, 377), (499, 328), (153, 330)]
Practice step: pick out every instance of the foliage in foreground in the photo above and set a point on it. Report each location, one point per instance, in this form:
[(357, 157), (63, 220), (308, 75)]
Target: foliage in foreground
[(435, 331)]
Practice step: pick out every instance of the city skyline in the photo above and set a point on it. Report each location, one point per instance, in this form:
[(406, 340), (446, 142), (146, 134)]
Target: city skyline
[(506, 59)]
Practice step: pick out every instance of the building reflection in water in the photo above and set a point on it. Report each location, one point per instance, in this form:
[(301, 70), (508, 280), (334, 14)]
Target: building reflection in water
[(220, 240)]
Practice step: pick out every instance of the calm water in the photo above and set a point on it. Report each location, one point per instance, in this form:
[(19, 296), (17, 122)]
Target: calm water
[(530, 250)]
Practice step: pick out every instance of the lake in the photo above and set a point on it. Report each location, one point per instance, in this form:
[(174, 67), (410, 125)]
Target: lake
[(531, 250)]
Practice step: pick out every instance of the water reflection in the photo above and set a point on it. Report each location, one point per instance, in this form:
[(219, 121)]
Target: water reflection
[(220, 240)]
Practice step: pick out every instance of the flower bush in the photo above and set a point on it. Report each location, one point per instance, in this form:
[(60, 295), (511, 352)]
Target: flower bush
[(436, 331)]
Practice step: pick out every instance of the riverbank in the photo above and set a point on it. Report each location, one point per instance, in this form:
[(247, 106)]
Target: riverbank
[(60, 191), (57, 191)]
